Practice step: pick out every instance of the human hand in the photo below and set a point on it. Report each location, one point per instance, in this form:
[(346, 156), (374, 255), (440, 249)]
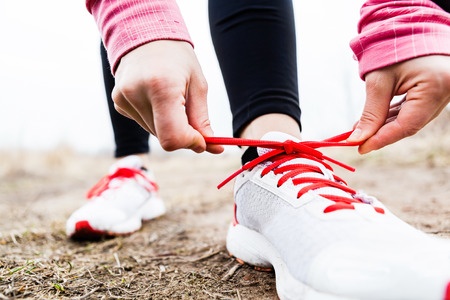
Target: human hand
[(161, 86), (425, 82)]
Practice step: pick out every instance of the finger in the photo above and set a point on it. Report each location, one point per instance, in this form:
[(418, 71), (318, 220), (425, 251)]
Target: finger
[(197, 110), (394, 109), (122, 112), (398, 103), (172, 126), (393, 113), (412, 117), (123, 106), (379, 93), (407, 123), (137, 119)]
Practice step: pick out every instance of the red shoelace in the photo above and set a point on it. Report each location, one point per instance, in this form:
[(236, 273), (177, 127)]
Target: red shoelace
[(120, 173), (288, 150)]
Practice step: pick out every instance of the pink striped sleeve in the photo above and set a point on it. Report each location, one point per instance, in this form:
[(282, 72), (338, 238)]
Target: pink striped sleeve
[(127, 24), (395, 31)]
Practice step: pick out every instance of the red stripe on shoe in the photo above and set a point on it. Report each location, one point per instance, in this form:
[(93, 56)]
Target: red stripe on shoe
[(103, 184), (447, 292), (84, 230)]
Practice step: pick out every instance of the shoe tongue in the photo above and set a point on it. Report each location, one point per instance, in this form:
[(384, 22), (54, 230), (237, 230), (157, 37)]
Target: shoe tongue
[(277, 137), (281, 137), (131, 162)]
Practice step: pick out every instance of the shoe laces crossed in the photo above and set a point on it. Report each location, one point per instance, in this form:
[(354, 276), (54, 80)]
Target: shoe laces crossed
[(120, 175), (283, 152)]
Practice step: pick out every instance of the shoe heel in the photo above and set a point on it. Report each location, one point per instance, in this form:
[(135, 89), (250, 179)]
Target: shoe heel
[(248, 246), (152, 209)]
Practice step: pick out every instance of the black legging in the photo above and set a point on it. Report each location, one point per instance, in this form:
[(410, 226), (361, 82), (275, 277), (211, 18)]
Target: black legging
[(256, 48), (445, 4), (129, 136)]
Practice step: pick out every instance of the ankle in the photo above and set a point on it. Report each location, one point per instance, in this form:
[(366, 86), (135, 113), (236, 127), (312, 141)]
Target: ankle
[(143, 156), (257, 128)]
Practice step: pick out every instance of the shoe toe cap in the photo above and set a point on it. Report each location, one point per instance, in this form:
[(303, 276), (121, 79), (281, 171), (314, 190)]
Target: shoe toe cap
[(384, 273), (104, 220)]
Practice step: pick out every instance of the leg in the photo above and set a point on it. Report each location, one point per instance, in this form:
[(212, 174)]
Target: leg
[(130, 138), (256, 48)]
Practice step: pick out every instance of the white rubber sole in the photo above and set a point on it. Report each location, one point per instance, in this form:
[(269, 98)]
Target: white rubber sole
[(85, 229), (254, 249), (151, 209)]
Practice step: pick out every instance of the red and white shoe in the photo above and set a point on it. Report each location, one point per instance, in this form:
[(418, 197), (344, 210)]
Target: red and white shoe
[(118, 203), (323, 239)]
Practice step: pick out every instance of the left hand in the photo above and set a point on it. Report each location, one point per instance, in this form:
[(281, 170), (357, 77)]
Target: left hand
[(425, 82)]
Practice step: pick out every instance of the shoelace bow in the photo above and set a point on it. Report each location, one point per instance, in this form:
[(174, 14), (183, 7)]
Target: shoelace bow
[(121, 173), (287, 150)]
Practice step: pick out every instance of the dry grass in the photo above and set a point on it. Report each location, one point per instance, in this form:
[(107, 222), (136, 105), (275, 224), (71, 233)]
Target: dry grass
[(119, 268), (178, 256)]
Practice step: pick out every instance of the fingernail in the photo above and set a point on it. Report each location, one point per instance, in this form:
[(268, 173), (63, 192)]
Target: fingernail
[(356, 134)]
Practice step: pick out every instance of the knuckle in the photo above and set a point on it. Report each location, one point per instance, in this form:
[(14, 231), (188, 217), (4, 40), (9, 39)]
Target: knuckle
[(411, 130), (169, 142), (167, 145), (119, 100), (369, 117), (203, 123), (408, 129), (203, 86), (156, 83)]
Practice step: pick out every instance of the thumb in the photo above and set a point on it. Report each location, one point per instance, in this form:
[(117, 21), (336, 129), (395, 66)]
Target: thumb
[(379, 93)]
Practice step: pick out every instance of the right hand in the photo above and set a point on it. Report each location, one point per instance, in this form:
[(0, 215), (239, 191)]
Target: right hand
[(161, 86)]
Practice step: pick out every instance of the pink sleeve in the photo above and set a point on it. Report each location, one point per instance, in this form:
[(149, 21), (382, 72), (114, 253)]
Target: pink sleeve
[(127, 24), (395, 31)]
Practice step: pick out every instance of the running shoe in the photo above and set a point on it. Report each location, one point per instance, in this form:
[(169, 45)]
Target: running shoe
[(323, 239), (118, 203)]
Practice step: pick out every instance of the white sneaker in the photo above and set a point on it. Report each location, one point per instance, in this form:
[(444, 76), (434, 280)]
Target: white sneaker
[(118, 203), (323, 239)]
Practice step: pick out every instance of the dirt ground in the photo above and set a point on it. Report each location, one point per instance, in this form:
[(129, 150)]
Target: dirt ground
[(181, 255)]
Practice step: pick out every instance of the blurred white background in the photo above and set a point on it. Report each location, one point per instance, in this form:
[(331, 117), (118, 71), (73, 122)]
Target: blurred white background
[(52, 90)]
